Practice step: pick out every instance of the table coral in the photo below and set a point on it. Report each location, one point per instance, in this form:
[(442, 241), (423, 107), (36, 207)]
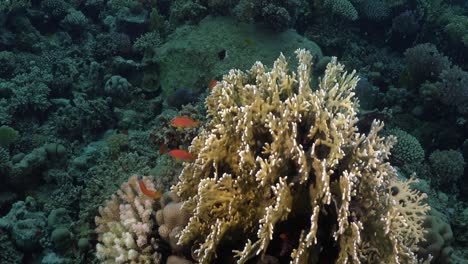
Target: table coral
[(283, 160)]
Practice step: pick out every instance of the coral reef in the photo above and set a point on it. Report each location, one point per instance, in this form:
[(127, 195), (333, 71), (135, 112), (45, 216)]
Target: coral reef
[(82, 115), (460, 226), (125, 226), (457, 28), (438, 238), (8, 252), (69, 140), (282, 159), (55, 8), (452, 88), (75, 21), (5, 164), (26, 168), (373, 10), (407, 150), (7, 59), (59, 223), (117, 143), (276, 15), (189, 57), (24, 223), (406, 24), (171, 219), (447, 167), (117, 86), (9, 5), (428, 55), (105, 176), (7, 136), (341, 8)]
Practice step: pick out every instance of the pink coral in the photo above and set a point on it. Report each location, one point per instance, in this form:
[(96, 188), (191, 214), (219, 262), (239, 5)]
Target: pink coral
[(125, 226)]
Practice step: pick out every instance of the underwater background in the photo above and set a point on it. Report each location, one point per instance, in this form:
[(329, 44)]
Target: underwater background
[(106, 104)]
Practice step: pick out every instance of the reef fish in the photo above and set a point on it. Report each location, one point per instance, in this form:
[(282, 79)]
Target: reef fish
[(181, 155), (149, 193), (162, 149), (212, 84), (184, 122)]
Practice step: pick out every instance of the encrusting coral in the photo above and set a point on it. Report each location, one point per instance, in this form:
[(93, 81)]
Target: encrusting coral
[(171, 220), (281, 165)]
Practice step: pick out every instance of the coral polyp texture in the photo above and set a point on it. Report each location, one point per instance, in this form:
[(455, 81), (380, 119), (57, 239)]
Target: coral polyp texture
[(125, 226), (282, 172)]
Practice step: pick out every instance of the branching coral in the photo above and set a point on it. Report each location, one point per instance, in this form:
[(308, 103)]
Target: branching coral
[(277, 15), (125, 226), (280, 156), (425, 54), (452, 88), (410, 205), (341, 8), (9, 5)]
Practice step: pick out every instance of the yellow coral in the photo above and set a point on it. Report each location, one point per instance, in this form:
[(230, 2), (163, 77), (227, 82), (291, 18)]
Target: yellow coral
[(411, 210), (278, 153)]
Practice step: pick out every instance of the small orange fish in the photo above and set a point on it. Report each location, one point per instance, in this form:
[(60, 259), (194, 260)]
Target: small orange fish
[(286, 245), (181, 155), (149, 193), (184, 122), (163, 149), (284, 236), (212, 84)]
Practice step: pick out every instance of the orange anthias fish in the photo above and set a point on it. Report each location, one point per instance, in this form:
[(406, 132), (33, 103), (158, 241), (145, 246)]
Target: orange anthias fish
[(184, 122), (286, 244), (181, 155), (212, 84), (162, 149), (149, 193)]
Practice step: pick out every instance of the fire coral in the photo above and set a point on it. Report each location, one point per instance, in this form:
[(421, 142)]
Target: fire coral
[(280, 156)]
